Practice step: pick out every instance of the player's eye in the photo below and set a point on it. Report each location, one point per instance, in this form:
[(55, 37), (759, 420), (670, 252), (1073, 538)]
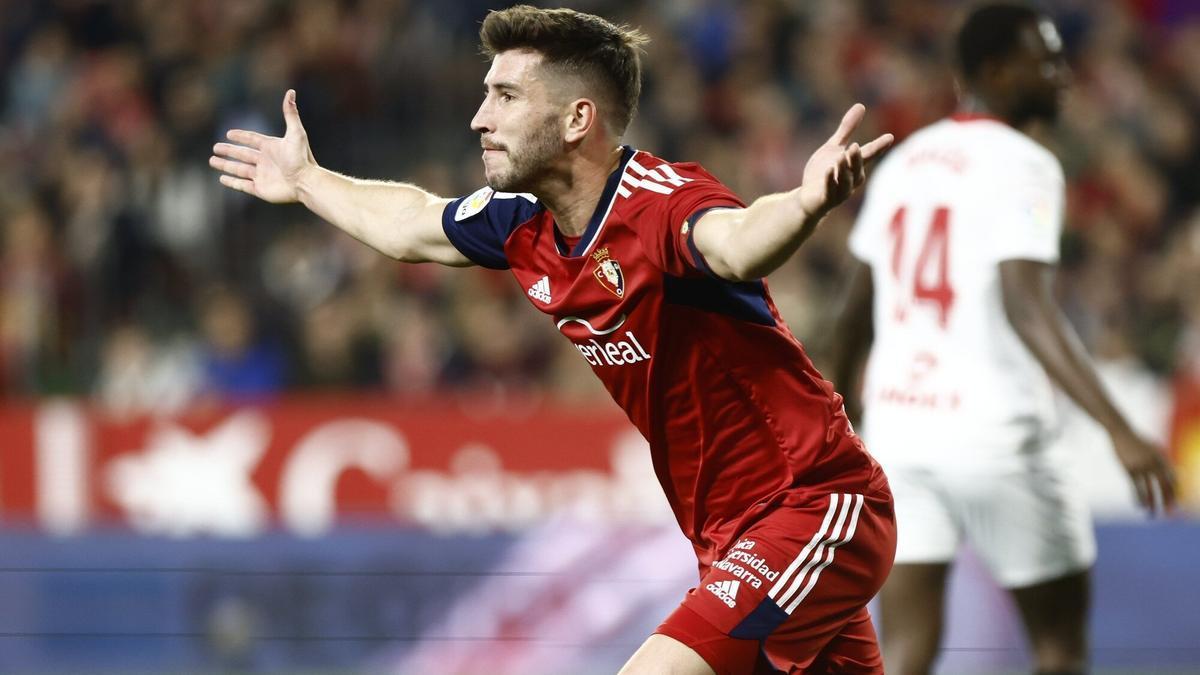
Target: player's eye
[(506, 97)]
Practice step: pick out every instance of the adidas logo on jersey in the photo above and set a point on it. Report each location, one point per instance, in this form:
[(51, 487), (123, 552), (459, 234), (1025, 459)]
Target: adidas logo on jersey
[(541, 290), (726, 591)]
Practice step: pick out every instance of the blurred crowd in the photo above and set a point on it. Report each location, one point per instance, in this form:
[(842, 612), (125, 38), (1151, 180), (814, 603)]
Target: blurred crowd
[(129, 274)]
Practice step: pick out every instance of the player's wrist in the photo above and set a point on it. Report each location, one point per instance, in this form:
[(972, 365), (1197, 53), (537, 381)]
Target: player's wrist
[(1120, 433), (811, 211), (306, 182)]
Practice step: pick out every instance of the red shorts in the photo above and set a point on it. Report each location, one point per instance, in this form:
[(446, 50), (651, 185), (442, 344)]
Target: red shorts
[(791, 593)]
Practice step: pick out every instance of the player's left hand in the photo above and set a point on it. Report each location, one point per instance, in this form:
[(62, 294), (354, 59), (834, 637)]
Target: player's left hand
[(1148, 468), (838, 167)]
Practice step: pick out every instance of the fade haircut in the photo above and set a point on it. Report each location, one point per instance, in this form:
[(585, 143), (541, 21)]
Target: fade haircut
[(990, 33), (602, 54)]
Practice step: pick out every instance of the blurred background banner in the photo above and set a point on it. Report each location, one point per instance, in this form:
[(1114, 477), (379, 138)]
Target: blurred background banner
[(305, 465), (233, 438)]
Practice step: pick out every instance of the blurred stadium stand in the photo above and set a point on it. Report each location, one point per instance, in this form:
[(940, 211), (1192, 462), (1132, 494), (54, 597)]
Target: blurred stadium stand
[(232, 437)]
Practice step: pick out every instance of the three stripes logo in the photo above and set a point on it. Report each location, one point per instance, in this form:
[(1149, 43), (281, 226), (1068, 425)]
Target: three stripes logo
[(726, 591), (541, 290), (798, 580), (662, 179)]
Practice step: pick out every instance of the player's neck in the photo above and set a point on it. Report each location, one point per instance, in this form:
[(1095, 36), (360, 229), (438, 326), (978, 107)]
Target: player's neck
[(572, 197), (976, 106)]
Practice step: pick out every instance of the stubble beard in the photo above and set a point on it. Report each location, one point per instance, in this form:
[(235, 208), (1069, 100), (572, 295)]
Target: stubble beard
[(1040, 107), (529, 158)]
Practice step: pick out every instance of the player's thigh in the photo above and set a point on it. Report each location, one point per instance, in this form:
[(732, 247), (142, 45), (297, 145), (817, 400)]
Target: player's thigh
[(927, 530), (662, 654), (792, 582), (1029, 525)]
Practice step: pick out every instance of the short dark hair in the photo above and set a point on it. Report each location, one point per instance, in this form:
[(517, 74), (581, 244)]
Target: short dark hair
[(990, 32), (582, 44)]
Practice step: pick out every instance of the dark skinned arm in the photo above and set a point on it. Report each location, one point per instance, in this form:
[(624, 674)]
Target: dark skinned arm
[(1030, 308), (854, 330)]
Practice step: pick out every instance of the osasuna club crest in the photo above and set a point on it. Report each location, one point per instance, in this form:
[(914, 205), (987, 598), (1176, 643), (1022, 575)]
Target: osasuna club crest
[(608, 272)]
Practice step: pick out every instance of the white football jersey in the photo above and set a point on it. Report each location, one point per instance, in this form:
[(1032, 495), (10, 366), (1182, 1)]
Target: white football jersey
[(948, 377)]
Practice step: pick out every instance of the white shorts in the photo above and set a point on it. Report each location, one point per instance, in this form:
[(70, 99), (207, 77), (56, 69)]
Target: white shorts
[(1027, 523)]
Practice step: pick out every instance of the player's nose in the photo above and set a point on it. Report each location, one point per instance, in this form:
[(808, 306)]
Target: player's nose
[(1058, 73), (482, 122)]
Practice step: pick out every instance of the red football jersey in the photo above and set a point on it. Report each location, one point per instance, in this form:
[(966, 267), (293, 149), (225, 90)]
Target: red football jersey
[(735, 413)]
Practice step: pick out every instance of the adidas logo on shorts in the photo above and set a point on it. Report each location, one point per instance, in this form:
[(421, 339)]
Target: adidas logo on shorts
[(725, 590), (541, 290)]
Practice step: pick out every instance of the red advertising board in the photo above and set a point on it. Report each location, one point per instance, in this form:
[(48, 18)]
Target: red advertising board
[(308, 463)]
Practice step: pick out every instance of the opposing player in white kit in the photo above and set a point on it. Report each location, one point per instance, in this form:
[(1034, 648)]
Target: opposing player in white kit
[(959, 236)]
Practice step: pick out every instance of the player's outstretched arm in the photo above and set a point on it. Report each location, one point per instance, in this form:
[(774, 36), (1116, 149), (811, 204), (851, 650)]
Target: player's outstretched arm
[(399, 220), (1029, 304), (750, 243), (852, 335)]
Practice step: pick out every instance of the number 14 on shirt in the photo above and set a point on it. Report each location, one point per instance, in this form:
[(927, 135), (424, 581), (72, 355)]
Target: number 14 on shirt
[(930, 276)]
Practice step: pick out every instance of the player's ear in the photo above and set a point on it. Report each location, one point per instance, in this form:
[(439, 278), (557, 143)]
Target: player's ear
[(582, 116), (996, 75)]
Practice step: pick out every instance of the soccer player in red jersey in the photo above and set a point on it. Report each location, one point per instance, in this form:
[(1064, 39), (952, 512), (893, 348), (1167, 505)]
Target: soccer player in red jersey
[(653, 270)]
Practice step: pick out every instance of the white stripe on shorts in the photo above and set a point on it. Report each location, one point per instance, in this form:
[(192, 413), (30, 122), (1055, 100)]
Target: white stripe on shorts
[(819, 536), (858, 502), (818, 554)]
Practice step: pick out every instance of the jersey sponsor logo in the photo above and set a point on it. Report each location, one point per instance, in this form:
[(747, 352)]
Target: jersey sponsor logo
[(619, 350), (726, 591), (592, 329), (540, 290), (608, 272), (950, 400), (615, 352), (916, 392), (740, 562), (746, 575)]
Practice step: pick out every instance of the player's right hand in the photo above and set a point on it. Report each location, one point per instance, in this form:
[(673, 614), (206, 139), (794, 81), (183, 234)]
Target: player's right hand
[(1147, 466), (268, 167), (837, 168)]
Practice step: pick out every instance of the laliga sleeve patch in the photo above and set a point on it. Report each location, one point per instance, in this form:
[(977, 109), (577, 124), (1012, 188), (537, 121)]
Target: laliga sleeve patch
[(473, 204)]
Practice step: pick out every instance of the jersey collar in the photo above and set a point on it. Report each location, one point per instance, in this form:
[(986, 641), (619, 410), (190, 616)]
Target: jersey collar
[(603, 208), (965, 116)]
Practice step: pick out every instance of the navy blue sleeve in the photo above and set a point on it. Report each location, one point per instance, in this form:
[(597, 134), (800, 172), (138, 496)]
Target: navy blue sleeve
[(480, 223)]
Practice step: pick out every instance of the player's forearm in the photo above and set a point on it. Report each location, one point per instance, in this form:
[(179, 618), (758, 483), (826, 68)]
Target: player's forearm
[(751, 243), (376, 213), (1054, 344)]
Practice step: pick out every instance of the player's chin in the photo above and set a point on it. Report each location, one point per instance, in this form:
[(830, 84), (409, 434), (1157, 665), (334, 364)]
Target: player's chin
[(1048, 107), (491, 172), (500, 182), (507, 180), (1045, 111), (1049, 114)]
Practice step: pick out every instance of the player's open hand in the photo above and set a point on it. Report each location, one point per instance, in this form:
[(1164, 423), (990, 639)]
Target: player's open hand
[(1147, 466), (838, 167), (268, 167)]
